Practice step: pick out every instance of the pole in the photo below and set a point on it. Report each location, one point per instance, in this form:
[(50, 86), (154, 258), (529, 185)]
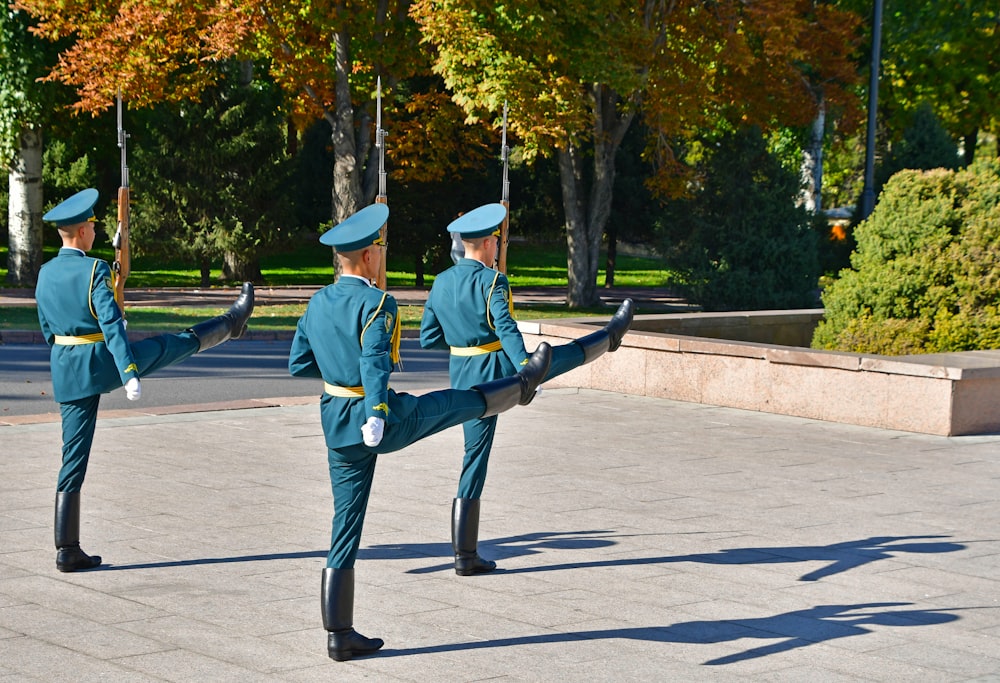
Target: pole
[(868, 195)]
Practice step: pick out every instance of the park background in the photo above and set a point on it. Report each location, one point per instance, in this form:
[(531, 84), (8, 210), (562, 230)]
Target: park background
[(715, 149)]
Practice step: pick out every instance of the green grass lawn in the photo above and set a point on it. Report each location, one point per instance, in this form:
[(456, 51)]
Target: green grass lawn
[(280, 318), (529, 266)]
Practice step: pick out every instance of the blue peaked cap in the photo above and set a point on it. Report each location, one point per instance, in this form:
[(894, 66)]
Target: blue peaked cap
[(480, 222), (77, 209), (359, 231)]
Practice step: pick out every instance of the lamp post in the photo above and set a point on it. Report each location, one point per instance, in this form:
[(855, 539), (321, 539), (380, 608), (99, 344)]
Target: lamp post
[(868, 194)]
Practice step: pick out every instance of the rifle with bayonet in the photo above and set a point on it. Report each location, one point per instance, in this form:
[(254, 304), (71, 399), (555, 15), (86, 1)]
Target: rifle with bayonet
[(122, 266), (381, 281), (504, 198)]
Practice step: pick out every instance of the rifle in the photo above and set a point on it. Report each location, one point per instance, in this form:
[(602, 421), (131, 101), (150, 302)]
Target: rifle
[(381, 281), (122, 266), (504, 198)]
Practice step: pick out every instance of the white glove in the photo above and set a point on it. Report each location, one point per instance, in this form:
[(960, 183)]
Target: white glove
[(132, 389), (372, 431)]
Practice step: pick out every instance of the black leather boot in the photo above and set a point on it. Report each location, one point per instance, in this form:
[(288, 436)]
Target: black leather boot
[(230, 325), (610, 337), (337, 603), (465, 538), (69, 556), (504, 394)]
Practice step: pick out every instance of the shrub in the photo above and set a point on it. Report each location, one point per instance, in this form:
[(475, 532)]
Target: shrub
[(925, 276)]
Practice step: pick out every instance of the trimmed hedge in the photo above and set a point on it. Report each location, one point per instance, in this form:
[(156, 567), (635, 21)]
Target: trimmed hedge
[(925, 275)]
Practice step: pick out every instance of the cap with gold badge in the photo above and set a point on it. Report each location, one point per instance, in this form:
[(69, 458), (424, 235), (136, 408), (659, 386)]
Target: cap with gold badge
[(77, 209), (359, 231), (480, 222)]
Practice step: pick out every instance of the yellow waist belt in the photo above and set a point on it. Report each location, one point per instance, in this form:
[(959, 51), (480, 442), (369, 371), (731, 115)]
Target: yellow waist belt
[(476, 350), (63, 340), (343, 392)]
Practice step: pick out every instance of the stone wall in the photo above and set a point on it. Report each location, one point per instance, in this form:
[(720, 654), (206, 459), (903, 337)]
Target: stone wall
[(944, 394)]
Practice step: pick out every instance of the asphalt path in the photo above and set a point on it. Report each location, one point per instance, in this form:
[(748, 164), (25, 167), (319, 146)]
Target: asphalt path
[(232, 371)]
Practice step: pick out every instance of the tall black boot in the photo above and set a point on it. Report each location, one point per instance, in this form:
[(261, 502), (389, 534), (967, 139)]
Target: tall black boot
[(230, 325), (69, 556), (337, 603), (504, 394), (610, 337), (465, 538)]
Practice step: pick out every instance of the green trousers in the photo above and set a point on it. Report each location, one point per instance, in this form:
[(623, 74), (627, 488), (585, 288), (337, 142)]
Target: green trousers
[(353, 467), (79, 418)]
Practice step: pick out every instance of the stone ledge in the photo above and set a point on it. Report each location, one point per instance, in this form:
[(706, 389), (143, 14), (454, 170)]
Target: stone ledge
[(945, 394)]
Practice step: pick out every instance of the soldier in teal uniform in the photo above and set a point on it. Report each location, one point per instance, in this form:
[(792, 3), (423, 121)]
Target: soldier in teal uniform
[(469, 310), (349, 337), (91, 355)]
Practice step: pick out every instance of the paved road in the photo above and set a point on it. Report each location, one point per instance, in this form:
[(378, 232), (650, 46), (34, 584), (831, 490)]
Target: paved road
[(234, 371)]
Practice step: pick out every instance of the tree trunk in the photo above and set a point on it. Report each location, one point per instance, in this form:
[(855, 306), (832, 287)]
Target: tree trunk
[(206, 273), (609, 262), (346, 176), (418, 268), (812, 162), (585, 220), (580, 271), (24, 257), (234, 267)]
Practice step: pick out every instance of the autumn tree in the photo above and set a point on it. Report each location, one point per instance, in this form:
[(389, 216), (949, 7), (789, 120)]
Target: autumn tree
[(324, 54), (577, 75)]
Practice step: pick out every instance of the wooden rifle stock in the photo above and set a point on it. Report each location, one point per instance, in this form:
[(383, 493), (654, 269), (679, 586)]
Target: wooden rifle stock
[(123, 260)]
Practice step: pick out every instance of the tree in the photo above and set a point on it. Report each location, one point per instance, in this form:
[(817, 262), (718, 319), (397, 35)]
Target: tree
[(214, 178), (924, 145), (23, 107), (946, 53), (741, 240), (324, 54), (577, 74)]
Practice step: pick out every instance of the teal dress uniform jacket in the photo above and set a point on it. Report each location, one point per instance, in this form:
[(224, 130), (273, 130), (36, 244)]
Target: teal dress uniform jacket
[(345, 337), (469, 306), (468, 311), (75, 298)]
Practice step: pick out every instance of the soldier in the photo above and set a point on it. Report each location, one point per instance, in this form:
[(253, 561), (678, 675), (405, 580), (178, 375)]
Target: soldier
[(91, 355), (469, 310), (349, 337)]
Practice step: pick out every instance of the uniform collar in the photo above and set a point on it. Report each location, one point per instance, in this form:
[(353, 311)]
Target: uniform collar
[(465, 260), (347, 279), (71, 251)]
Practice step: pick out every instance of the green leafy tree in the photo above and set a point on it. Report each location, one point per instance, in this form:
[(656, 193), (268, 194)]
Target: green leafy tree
[(214, 179), (925, 145), (741, 241), (925, 276), (946, 53), (24, 107)]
